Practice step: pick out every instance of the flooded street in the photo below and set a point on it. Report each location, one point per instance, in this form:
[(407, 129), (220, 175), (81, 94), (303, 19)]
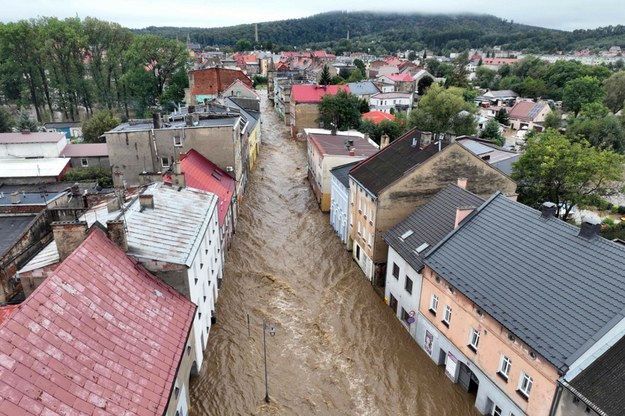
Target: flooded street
[(338, 349)]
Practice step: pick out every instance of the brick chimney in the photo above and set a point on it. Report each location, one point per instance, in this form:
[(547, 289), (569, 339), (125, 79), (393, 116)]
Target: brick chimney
[(146, 201), (384, 141), (461, 214), (462, 183), (68, 235), (513, 197), (112, 204), (116, 232)]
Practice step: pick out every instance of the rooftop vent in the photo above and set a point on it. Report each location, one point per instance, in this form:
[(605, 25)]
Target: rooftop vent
[(590, 228), (548, 209)]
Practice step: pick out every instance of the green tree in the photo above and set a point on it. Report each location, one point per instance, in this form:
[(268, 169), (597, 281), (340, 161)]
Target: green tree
[(174, 91), (423, 84), (459, 74), (484, 77), (598, 127), (502, 117), (355, 76), (358, 63), (6, 121), (580, 91), (341, 111), (564, 172), (243, 45), (491, 132), (101, 122), (443, 110), (325, 78), (614, 88), (24, 123), (553, 120), (412, 55)]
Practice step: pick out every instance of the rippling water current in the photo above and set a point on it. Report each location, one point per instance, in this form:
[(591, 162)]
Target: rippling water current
[(338, 349)]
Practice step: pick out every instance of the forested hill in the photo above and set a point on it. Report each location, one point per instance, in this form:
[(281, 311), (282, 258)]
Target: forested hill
[(388, 32)]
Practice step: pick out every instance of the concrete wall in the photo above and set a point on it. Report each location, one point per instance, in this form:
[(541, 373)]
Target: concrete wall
[(304, 116), (494, 342), (339, 208), (103, 162), (133, 152), (180, 401), (21, 150), (417, 187)]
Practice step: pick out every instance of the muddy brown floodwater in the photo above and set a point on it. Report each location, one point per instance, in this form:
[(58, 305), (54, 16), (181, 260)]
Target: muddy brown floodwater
[(338, 349)]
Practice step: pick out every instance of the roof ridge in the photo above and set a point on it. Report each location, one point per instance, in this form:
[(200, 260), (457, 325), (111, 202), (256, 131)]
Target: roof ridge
[(390, 145)]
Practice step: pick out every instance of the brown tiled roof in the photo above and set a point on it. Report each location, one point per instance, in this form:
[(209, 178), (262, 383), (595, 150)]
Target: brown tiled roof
[(101, 335)]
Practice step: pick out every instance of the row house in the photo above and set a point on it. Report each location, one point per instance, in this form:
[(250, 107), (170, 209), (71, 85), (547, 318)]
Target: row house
[(305, 100), (403, 82), (250, 130), (518, 305), (183, 251), (87, 155), (326, 151), (339, 200), (100, 336), (410, 241), (210, 83), (388, 186), (201, 173), (153, 146)]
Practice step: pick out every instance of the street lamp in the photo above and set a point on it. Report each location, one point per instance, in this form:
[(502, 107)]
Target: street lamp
[(272, 332)]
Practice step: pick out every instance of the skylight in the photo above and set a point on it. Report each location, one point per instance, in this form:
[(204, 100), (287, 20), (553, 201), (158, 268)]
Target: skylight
[(406, 234), (422, 247)]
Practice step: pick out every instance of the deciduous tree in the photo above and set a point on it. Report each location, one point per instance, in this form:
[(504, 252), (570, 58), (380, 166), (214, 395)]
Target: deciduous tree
[(98, 124), (566, 173), (341, 111), (580, 91), (614, 88)]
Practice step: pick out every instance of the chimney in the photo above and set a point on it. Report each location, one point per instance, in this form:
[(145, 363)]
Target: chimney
[(146, 201), (462, 183), (461, 214), (116, 232), (75, 189), (191, 109), (112, 204), (156, 118), (182, 156), (548, 209), (188, 120), (513, 197), (590, 228), (352, 152), (384, 141), (15, 197), (68, 235)]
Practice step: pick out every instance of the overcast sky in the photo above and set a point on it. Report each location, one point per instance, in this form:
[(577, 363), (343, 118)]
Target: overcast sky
[(557, 14)]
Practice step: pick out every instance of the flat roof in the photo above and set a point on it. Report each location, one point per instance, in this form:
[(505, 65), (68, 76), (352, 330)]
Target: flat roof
[(30, 168), (30, 198), (148, 124), (33, 137), (329, 144), (85, 150)]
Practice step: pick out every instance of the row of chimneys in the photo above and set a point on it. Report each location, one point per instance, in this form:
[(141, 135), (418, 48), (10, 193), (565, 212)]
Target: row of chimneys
[(70, 234), (589, 228)]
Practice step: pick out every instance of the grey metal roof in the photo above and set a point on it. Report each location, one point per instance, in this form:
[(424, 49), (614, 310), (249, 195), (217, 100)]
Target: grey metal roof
[(31, 198), (429, 224), (363, 88), (172, 231), (47, 256), (603, 381), (11, 228), (391, 163), (536, 276), (342, 173), (506, 165)]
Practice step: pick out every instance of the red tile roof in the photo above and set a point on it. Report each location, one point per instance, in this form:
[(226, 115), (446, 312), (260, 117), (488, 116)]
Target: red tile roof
[(526, 110), (405, 77), (212, 81), (101, 335), (378, 116), (201, 173), (314, 93), (6, 312), (85, 150)]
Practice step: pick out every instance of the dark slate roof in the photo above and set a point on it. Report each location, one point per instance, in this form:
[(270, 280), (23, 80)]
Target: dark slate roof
[(363, 88), (603, 382), (342, 173), (11, 228), (429, 224), (506, 165), (391, 163), (536, 276)]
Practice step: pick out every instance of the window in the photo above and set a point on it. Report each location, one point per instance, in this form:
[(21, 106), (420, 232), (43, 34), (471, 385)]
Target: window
[(177, 141), (370, 240), (201, 266), (395, 271), (196, 280), (408, 285), (474, 339), (404, 315), (504, 367), (525, 385), (165, 162), (188, 349), (433, 304), (393, 303), (447, 316), (358, 228), (84, 162), (176, 392), (497, 411)]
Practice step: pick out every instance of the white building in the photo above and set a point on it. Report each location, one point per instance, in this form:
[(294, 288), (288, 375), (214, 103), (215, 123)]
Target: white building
[(31, 145), (175, 234), (385, 101), (339, 201)]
